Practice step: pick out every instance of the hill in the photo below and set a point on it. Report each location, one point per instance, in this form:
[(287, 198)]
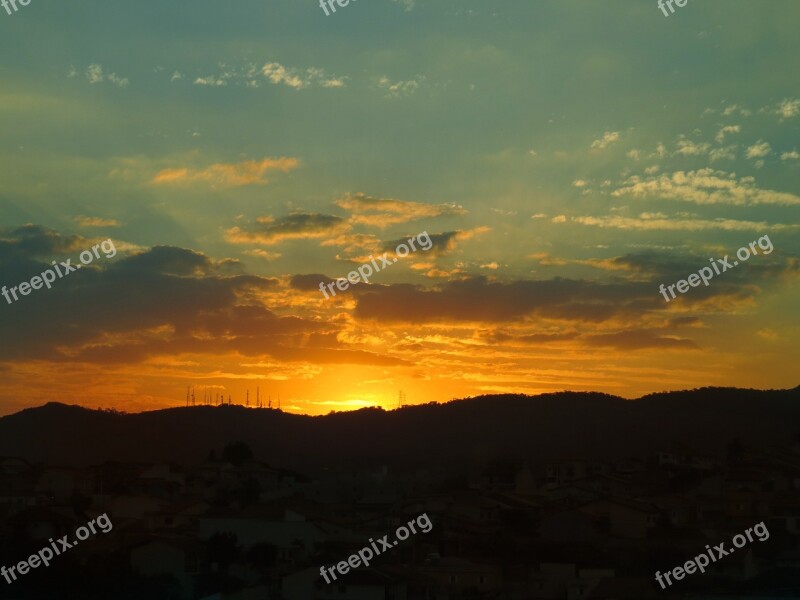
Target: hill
[(538, 428)]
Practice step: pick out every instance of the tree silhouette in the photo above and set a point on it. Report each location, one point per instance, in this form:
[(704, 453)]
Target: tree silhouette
[(237, 453)]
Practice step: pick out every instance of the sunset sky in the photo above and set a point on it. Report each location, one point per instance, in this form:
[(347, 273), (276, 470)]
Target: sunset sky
[(566, 157)]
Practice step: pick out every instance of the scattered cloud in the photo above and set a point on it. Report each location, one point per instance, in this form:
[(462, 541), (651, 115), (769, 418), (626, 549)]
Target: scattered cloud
[(724, 153), (653, 224), (265, 254), (793, 155), (788, 108), (95, 74), (297, 226), (609, 137), (705, 186), (382, 212), (250, 172), (299, 79), (758, 150), (96, 222), (395, 89), (687, 147), (727, 130)]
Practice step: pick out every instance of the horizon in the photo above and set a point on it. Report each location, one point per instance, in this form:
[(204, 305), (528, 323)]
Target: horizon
[(404, 406)]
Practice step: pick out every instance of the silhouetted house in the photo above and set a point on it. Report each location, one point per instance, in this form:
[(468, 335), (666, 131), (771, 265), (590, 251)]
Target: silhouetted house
[(60, 484), (624, 588), (623, 518), (569, 526), (506, 475), (586, 581), (459, 576), (785, 510), (17, 485), (40, 523), (564, 471), (161, 481), (294, 537), (177, 557), (359, 584)]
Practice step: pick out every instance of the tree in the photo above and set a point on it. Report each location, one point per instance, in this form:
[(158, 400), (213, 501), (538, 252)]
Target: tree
[(237, 453), (223, 548)]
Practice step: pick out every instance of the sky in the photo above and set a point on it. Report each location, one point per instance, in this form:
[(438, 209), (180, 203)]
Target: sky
[(564, 158)]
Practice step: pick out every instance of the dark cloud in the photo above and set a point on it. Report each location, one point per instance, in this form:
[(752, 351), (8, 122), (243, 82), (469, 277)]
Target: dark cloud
[(297, 225), (638, 340), (478, 299)]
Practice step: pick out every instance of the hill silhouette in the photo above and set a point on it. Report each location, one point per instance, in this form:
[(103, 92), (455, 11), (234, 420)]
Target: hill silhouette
[(538, 428)]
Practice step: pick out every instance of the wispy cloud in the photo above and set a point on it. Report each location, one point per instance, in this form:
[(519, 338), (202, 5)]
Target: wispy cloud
[(94, 74), (609, 137), (395, 89), (382, 212), (299, 79), (96, 222), (249, 172), (720, 137), (296, 226), (651, 224), (705, 186)]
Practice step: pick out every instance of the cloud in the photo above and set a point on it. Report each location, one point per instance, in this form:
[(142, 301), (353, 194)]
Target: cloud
[(639, 340), (609, 137), (720, 137), (382, 212), (687, 147), (96, 222), (758, 150), (442, 243), (650, 224), (705, 186), (249, 172), (579, 183), (793, 155), (733, 109), (788, 108), (299, 79), (196, 308), (210, 80), (296, 226), (396, 89), (94, 74), (724, 153), (266, 255)]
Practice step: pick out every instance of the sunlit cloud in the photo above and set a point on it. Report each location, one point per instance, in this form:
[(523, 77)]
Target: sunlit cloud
[(249, 172), (705, 186)]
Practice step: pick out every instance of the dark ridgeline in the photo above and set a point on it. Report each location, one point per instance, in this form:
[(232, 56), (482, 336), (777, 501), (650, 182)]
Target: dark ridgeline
[(544, 427)]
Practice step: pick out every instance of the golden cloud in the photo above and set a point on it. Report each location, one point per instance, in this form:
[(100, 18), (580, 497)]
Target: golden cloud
[(250, 172)]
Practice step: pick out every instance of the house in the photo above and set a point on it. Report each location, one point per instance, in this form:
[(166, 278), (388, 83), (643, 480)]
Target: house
[(359, 584), (630, 519), (178, 557)]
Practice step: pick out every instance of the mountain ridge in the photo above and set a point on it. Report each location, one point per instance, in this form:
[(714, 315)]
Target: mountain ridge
[(535, 428)]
